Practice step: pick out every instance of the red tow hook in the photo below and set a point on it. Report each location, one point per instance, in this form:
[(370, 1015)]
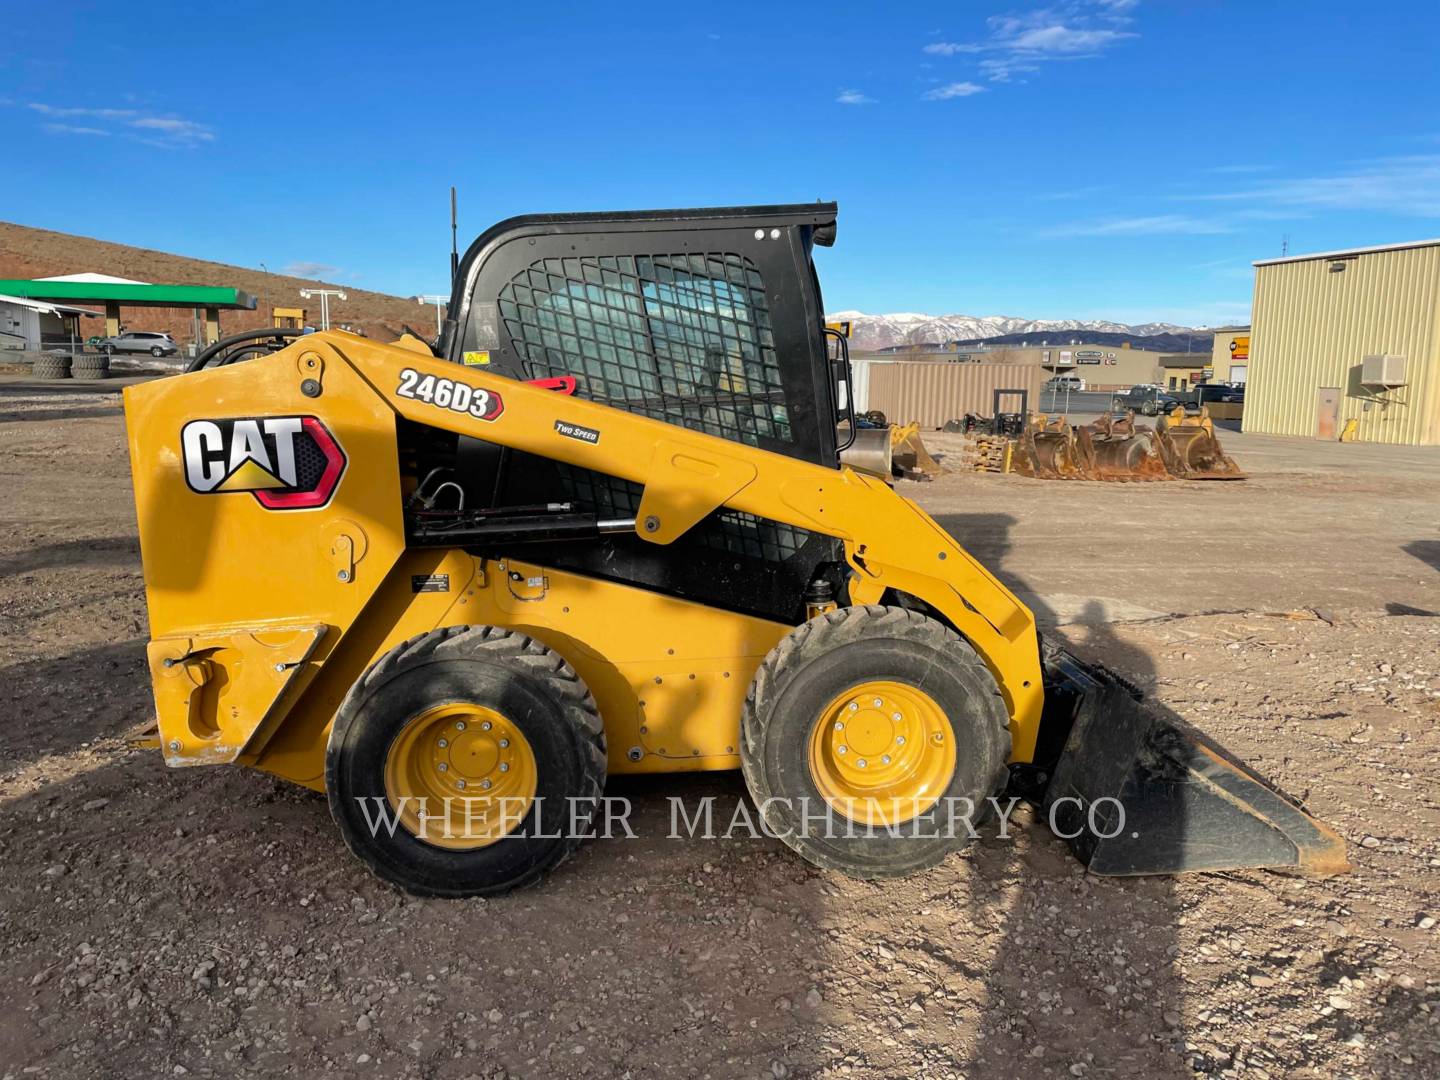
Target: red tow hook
[(561, 384)]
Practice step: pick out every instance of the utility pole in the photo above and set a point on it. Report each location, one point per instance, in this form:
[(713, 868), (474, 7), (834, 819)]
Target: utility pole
[(440, 302), (268, 302), (324, 295)]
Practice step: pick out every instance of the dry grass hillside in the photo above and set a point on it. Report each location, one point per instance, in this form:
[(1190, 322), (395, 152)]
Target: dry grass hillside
[(32, 253)]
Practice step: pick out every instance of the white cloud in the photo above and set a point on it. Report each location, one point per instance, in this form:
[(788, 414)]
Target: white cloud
[(1407, 186), (164, 131), (1020, 43), (314, 271), (1059, 38), (73, 129), (180, 131), (1153, 225), (854, 97), (953, 90), (98, 114)]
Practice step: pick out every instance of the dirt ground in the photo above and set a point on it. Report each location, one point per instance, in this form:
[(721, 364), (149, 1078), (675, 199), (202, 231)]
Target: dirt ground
[(209, 922)]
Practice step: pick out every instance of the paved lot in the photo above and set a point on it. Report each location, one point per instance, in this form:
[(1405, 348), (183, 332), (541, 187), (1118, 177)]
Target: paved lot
[(209, 922)]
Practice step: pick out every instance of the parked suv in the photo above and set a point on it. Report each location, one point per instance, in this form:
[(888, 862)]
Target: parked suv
[(1073, 383), (140, 341), (1146, 399)]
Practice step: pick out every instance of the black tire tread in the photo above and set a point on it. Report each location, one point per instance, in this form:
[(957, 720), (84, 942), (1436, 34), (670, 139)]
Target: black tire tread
[(818, 636), (504, 648), (52, 367)]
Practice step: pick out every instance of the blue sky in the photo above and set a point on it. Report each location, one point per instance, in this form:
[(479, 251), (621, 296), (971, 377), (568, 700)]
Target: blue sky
[(1085, 159)]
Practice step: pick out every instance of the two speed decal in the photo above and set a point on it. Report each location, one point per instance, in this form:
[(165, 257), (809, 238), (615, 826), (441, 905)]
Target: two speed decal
[(449, 394)]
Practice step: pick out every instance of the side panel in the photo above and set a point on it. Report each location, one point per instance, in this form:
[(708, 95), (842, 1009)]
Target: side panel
[(669, 676)]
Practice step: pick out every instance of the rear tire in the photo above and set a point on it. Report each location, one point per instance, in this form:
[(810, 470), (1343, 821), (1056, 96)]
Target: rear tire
[(498, 672), (906, 656)]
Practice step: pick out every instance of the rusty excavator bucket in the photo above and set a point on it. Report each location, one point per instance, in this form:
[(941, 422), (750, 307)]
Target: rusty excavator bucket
[(1190, 449), (1116, 448), (908, 455), (1046, 450), (1133, 790)]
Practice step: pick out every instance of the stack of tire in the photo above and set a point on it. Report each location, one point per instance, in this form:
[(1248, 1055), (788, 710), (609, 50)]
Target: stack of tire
[(82, 366), (90, 366)]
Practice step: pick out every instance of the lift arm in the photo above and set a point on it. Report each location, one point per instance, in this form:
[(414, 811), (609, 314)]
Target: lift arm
[(889, 541)]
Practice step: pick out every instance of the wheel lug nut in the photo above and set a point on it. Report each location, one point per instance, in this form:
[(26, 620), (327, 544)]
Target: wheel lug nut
[(896, 716), (442, 767), (878, 703), (504, 766), (884, 759), (854, 705), (443, 743), (841, 749), (485, 726), (504, 743), (485, 784), (839, 726), (459, 725), (460, 784), (861, 763), (899, 740), (939, 737)]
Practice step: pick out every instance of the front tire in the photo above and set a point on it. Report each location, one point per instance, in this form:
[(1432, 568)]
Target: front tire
[(157, 352), (871, 739), (480, 753)]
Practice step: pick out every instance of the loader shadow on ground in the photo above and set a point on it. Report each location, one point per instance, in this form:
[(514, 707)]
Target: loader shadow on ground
[(1105, 997), (111, 551), (1427, 551), (57, 414)]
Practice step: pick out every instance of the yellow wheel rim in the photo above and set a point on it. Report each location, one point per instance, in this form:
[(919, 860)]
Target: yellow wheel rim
[(882, 753), (460, 776)]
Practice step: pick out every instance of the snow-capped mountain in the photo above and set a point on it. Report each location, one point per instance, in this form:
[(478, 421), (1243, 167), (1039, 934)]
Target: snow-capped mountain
[(870, 332)]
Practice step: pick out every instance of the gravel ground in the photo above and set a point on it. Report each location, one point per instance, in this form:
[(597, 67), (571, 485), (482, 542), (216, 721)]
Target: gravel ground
[(210, 922)]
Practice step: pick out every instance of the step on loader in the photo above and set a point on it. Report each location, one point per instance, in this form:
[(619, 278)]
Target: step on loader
[(600, 527)]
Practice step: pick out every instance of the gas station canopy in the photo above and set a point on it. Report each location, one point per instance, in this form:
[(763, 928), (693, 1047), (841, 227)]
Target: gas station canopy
[(117, 292)]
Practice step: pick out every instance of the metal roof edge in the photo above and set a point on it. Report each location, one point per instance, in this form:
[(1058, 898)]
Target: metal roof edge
[(1345, 252)]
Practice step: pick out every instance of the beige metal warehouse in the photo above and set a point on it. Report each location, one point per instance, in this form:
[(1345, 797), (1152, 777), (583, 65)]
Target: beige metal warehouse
[(1346, 336)]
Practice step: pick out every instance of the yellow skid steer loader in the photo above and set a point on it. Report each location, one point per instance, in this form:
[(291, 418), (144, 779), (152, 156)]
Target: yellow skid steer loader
[(600, 527)]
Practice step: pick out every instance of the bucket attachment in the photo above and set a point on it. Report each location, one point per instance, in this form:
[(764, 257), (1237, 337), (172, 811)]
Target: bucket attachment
[(1118, 449), (1046, 450), (870, 452), (1190, 449), (1134, 792), (908, 455)]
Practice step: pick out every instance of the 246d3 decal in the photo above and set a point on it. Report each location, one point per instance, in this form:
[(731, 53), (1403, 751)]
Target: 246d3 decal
[(449, 394), (286, 462)]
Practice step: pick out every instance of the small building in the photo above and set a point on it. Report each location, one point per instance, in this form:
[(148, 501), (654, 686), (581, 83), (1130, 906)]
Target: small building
[(1348, 336), (1230, 355), (34, 325), (1181, 371)]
